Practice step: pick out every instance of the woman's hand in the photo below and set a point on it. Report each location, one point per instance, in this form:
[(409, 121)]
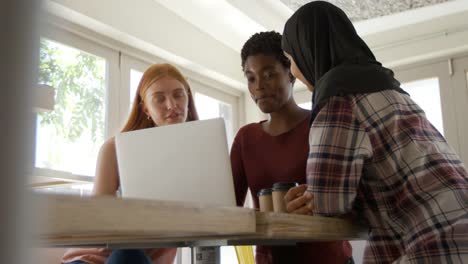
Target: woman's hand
[(298, 201)]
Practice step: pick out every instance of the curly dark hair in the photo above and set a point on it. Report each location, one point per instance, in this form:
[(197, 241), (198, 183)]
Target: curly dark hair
[(267, 43)]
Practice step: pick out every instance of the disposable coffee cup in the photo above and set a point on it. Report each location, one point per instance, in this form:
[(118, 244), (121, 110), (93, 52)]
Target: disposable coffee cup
[(265, 200), (279, 190)]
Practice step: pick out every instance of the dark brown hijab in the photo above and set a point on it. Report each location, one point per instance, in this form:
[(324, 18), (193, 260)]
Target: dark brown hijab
[(332, 57)]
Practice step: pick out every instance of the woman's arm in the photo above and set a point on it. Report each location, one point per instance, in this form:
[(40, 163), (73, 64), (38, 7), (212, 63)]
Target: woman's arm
[(339, 148), (106, 181), (238, 172)]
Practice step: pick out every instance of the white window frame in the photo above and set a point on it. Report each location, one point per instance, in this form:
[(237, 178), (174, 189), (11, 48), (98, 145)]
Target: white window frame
[(459, 67), (127, 63), (67, 38), (61, 36)]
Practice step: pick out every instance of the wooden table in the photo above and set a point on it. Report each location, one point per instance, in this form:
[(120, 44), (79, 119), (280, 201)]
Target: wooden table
[(67, 221)]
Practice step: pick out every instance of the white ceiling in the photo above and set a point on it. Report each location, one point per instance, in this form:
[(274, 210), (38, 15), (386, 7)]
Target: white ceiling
[(233, 21), (206, 35)]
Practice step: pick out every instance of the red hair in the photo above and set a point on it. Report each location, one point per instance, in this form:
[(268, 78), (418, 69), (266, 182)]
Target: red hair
[(137, 118)]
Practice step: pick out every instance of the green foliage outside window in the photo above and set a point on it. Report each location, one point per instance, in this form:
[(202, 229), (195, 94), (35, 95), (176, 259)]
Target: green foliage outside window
[(79, 79)]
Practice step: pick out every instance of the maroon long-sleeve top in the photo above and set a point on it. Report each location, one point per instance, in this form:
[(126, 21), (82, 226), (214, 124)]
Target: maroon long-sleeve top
[(258, 160)]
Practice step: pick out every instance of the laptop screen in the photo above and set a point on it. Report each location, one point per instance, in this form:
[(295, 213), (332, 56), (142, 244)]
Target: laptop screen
[(186, 162)]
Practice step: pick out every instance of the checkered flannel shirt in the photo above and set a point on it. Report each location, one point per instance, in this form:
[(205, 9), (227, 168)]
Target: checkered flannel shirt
[(377, 156)]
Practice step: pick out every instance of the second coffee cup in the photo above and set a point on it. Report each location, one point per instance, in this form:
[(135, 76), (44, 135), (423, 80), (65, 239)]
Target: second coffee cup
[(265, 200)]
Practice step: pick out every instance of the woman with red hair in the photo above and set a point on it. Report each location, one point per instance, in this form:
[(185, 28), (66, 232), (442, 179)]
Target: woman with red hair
[(163, 98)]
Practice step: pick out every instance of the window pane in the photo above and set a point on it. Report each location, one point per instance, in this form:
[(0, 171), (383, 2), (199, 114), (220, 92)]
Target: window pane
[(426, 93), (68, 138), (208, 107), (307, 105), (135, 77)]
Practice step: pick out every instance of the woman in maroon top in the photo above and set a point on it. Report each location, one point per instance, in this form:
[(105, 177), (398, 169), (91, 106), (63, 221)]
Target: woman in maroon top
[(275, 150)]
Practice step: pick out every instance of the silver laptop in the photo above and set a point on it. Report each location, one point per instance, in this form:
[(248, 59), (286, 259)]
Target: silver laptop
[(186, 162)]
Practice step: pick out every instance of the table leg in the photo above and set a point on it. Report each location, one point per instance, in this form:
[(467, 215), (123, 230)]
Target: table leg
[(206, 255)]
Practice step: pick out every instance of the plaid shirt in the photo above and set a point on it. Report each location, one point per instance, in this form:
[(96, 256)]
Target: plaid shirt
[(378, 157)]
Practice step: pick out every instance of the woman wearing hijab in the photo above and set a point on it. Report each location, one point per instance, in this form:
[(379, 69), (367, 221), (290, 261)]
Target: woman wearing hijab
[(372, 152)]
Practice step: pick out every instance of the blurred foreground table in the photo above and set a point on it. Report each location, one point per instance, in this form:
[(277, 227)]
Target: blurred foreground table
[(69, 221)]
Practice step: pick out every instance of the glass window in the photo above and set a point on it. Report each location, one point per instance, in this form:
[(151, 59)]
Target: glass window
[(69, 137), (208, 107), (426, 93), (135, 77), (307, 105)]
